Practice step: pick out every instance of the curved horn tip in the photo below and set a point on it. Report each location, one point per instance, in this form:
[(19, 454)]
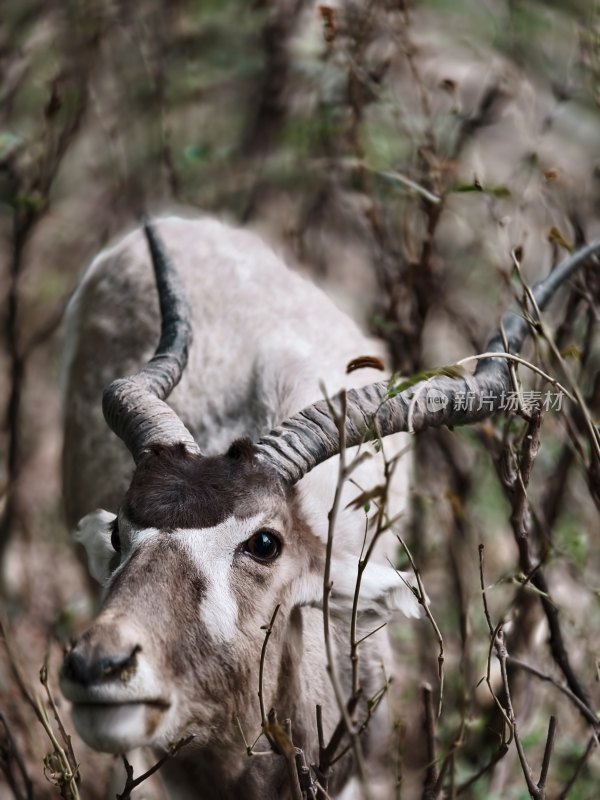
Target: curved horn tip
[(149, 227)]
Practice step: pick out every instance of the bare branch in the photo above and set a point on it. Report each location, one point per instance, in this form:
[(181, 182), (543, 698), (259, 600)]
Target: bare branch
[(541, 785), (61, 728), (263, 652), (429, 728), (283, 745), (21, 787), (591, 717), (60, 770), (498, 755), (591, 745), (541, 328), (327, 586), (421, 596), (516, 488), (497, 641), (131, 783)]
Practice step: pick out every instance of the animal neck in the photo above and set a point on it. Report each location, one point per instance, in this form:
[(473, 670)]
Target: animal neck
[(294, 682)]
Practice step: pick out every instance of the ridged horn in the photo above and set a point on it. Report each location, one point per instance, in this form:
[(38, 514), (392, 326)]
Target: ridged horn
[(134, 406), (310, 437)]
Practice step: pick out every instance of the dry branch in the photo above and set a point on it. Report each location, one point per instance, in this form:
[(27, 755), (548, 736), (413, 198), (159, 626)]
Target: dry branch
[(10, 757), (132, 783), (61, 768)]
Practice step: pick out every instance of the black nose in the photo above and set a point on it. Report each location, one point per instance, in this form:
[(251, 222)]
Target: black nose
[(87, 668)]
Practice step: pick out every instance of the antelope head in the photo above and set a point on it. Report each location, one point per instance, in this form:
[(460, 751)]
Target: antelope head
[(204, 548), (200, 553)]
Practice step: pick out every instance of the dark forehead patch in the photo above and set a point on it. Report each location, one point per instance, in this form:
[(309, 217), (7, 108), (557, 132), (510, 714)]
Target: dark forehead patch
[(172, 488)]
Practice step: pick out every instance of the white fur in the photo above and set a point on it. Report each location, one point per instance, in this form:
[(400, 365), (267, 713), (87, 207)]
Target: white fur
[(93, 533), (213, 550), (351, 791), (382, 588), (265, 341)]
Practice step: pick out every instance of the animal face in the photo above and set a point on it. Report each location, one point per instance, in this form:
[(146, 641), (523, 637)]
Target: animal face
[(194, 564), (199, 556), (204, 548)]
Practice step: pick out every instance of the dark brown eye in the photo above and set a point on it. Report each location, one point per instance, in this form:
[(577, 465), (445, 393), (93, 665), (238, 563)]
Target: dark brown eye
[(263, 546), (115, 539)]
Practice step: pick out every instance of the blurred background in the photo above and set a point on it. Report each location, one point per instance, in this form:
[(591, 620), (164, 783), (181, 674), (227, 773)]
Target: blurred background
[(406, 155)]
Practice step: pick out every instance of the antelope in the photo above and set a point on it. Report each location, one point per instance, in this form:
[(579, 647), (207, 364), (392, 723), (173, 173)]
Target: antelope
[(221, 515)]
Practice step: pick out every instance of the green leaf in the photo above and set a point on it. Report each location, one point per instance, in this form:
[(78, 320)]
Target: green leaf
[(494, 191), (468, 187), (450, 371), (195, 153), (9, 143)]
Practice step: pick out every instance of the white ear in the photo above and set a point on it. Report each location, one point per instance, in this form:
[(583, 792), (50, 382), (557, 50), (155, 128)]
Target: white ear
[(94, 532), (382, 589)]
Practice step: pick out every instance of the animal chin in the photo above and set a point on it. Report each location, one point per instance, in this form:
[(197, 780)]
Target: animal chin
[(119, 727)]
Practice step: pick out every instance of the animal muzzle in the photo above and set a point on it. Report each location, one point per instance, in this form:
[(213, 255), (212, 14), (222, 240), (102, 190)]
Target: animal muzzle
[(88, 668), (118, 702)]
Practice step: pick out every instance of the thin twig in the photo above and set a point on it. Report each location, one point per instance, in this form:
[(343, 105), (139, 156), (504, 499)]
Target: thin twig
[(340, 420), (547, 755), (421, 596), (502, 656), (131, 783), (497, 641), (592, 718), (493, 633), (498, 755), (372, 704), (517, 360), (283, 745), (592, 743), (379, 493), (516, 487), (263, 652), (64, 773), (62, 730), (546, 335), (9, 753), (429, 728)]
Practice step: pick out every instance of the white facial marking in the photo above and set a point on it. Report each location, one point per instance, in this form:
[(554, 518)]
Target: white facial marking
[(130, 543), (213, 550)]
